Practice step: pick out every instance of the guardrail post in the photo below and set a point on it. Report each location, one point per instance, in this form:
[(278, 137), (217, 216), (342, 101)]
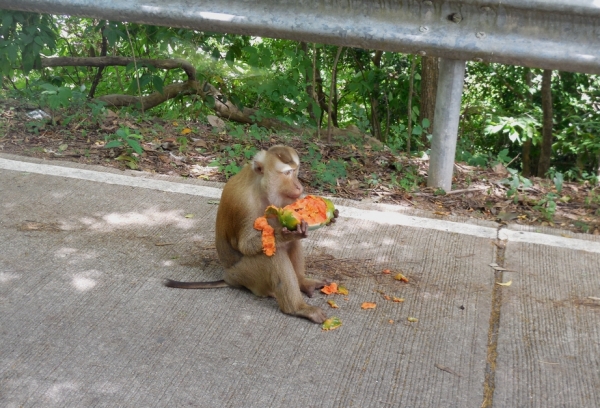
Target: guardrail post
[(445, 125)]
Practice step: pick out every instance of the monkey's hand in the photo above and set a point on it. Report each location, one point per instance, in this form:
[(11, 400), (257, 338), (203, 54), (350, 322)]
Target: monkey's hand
[(300, 232), (336, 213)]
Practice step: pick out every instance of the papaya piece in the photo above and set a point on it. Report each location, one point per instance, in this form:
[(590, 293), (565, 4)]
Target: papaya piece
[(268, 235), (316, 211)]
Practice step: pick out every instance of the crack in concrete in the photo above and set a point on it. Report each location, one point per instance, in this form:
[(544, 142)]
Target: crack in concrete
[(489, 383)]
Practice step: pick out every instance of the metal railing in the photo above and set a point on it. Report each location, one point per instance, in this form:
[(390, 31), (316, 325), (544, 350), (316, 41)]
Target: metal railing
[(550, 34)]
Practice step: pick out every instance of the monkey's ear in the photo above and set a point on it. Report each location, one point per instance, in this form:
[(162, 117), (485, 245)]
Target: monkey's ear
[(258, 163)]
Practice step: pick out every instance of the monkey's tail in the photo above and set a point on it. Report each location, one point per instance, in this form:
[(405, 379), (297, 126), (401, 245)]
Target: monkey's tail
[(195, 285)]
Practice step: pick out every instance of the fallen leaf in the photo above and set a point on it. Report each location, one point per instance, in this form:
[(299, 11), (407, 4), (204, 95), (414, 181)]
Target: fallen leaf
[(397, 299), (331, 324), (186, 131), (215, 121), (330, 289), (200, 143), (505, 283), (386, 271), (175, 124), (368, 305), (447, 369), (38, 226), (332, 304), (412, 319), (401, 277), (497, 267), (63, 147), (342, 290)]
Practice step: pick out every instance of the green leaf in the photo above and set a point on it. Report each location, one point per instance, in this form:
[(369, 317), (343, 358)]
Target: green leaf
[(158, 83), (135, 145), (113, 143), (7, 19)]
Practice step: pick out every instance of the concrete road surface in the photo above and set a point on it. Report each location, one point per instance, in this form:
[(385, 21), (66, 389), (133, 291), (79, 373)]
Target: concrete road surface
[(85, 321)]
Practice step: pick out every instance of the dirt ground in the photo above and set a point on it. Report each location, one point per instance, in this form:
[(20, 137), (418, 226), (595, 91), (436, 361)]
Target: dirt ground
[(374, 173)]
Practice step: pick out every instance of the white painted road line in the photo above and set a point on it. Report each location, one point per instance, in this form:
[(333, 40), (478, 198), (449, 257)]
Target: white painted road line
[(382, 217), (110, 178)]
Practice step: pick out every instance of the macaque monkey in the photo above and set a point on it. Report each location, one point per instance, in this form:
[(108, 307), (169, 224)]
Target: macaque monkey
[(271, 179)]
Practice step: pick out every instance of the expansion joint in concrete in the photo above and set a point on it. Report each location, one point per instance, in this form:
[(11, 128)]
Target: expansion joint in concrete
[(489, 384)]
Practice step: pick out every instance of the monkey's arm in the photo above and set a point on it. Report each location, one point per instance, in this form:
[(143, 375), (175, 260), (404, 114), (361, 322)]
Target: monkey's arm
[(249, 240)]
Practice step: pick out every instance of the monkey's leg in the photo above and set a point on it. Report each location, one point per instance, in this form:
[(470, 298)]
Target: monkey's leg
[(274, 276), (307, 285)]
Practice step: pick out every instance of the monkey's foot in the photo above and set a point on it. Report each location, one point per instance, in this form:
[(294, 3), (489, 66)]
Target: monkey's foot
[(312, 313), (308, 286)]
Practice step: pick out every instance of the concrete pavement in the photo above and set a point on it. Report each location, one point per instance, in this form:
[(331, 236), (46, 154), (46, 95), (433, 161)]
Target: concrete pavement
[(85, 321)]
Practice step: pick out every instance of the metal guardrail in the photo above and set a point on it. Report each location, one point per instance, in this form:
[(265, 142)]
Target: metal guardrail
[(551, 34)]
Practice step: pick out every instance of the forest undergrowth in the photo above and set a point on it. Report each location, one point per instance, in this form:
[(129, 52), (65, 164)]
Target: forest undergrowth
[(353, 166)]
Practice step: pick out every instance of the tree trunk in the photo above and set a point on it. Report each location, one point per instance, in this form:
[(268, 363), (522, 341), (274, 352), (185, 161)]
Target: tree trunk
[(375, 122), (103, 53), (314, 86), (411, 81), (526, 150), (546, 148), (429, 78), (333, 95)]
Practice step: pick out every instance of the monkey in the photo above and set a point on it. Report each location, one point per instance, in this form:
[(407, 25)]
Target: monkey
[(270, 179)]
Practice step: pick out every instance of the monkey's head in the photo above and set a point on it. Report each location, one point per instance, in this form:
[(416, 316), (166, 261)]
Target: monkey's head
[(278, 168)]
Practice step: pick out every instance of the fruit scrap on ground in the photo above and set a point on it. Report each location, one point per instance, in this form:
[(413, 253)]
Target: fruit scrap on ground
[(401, 278), (368, 305), (268, 235), (330, 289), (332, 304), (331, 323)]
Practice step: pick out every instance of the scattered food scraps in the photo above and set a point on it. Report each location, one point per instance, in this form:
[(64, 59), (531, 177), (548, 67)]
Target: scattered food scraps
[(412, 319), (331, 324), (330, 289), (504, 283), (397, 299), (386, 271), (368, 305), (401, 278), (342, 290), (332, 304)]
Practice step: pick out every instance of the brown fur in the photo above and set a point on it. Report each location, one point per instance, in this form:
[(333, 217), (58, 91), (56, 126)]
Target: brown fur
[(239, 246)]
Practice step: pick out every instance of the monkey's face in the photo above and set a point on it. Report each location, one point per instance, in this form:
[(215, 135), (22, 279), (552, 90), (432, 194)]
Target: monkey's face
[(281, 176)]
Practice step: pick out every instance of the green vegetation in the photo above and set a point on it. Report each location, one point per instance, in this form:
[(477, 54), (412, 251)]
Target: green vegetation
[(267, 86)]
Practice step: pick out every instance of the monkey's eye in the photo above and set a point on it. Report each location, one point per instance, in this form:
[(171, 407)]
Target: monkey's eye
[(288, 172)]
